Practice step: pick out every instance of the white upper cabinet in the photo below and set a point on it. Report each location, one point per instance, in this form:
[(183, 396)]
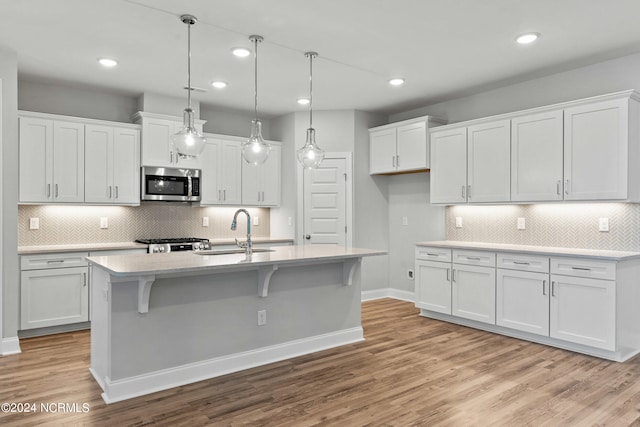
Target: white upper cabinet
[(536, 157), (222, 172), (261, 183), (112, 161), (449, 172), (400, 147), (51, 161), (597, 150), (488, 162), (157, 149)]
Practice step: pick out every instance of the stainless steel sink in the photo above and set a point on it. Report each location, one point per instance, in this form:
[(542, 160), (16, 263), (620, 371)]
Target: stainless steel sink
[(231, 251)]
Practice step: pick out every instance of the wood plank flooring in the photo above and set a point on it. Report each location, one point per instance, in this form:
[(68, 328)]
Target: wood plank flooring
[(410, 371)]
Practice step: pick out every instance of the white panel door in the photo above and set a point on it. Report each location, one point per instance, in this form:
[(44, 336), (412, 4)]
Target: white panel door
[(210, 185), (583, 311), (411, 147), (473, 294), (489, 162), (596, 150), (325, 203), (231, 172), (433, 286), (36, 160), (125, 163), (536, 157), (522, 301), (98, 180), (68, 162), (449, 166), (382, 151)]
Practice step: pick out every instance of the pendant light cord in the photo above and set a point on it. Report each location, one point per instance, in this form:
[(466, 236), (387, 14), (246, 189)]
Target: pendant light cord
[(311, 55), (255, 76), (189, 65)]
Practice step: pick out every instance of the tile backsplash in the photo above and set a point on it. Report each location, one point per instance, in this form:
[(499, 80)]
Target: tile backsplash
[(61, 224), (562, 225)]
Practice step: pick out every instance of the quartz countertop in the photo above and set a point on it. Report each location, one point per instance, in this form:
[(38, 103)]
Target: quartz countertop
[(535, 250), (188, 262), (79, 247)]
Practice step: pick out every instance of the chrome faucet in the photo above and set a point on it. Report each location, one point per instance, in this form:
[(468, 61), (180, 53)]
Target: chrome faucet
[(244, 245)]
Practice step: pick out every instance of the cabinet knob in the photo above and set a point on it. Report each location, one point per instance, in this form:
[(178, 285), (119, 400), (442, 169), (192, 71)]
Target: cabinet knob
[(308, 237)]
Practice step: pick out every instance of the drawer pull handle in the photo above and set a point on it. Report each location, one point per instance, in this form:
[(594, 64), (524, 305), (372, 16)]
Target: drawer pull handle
[(432, 254), (581, 268), (473, 258), (54, 261), (521, 262)]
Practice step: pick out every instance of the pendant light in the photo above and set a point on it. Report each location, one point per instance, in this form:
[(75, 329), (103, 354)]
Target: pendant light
[(310, 155), (188, 142), (255, 150)]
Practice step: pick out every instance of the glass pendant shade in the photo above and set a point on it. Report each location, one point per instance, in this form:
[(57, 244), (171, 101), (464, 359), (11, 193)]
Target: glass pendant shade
[(188, 142), (255, 150), (310, 155)]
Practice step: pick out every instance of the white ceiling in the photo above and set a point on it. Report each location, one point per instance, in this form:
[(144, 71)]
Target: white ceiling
[(443, 48)]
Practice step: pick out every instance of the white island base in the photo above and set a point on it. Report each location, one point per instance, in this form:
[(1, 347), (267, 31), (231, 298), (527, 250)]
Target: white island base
[(164, 320)]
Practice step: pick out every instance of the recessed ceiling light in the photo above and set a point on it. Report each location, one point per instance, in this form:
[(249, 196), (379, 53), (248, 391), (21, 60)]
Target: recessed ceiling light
[(219, 84), (303, 101), (107, 62), (241, 52), (397, 81), (527, 38)]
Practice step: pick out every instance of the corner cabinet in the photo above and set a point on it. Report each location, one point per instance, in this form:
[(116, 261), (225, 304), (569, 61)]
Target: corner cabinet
[(261, 183), (157, 150), (112, 160), (400, 147), (51, 160), (221, 172)]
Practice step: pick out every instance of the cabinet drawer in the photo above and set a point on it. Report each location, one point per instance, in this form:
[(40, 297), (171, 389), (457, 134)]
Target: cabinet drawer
[(521, 262), (59, 260), (487, 259), (433, 254), (578, 267)]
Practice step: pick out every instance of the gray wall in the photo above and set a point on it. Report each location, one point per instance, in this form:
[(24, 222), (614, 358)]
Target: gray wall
[(9, 278), (236, 123)]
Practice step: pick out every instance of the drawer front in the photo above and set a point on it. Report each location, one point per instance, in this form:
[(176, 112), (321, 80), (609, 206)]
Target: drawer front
[(433, 254), (60, 260), (515, 261), (579, 267), (487, 259)]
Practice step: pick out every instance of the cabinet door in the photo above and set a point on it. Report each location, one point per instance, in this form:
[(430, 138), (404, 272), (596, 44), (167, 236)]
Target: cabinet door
[(382, 151), (449, 166), (522, 301), (210, 186), (583, 311), (251, 186), (271, 178), (536, 157), (156, 142), (98, 177), (68, 162), (126, 166), (36, 160), (412, 147), (473, 294), (54, 297), (596, 150), (231, 172), (433, 286), (489, 162)]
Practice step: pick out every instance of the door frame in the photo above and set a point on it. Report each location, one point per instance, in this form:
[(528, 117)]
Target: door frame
[(348, 156)]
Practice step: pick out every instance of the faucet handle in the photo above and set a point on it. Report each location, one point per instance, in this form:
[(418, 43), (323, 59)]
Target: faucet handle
[(242, 245)]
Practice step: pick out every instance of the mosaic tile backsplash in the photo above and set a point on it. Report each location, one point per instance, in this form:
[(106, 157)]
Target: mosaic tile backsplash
[(562, 225), (61, 225)]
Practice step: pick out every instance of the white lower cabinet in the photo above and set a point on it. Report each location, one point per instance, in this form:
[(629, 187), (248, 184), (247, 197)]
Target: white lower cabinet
[(433, 286), (54, 290), (583, 311), (473, 293), (522, 301)]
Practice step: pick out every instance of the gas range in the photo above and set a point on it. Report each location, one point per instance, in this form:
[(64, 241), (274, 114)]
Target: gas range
[(175, 244)]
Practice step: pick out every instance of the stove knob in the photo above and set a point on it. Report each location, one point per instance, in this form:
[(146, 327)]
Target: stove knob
[(161, 248), (156, 250), (196, 246)]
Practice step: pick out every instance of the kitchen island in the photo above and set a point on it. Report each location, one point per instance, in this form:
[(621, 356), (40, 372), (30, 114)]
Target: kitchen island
[(163, 320)]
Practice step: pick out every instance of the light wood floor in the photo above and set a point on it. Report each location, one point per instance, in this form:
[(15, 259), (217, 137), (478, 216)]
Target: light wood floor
[(410, 371)]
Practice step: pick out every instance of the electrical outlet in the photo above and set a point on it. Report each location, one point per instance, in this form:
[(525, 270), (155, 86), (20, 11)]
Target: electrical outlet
[(262, 317), (603, 224), (521, 225), (104, 222), (290, 222), (256, 220), (458, 222), (34, 223), (405, 220), (410, 274), (205, 221)]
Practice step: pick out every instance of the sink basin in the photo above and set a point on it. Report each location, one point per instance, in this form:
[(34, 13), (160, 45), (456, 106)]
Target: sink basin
[(231, 251)]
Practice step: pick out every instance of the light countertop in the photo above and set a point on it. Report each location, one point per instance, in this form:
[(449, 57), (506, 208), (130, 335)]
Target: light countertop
[(535, 250), (185, 262)]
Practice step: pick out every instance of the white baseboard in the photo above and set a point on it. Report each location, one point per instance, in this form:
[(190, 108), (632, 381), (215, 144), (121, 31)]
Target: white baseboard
[(127, 388), (388, 293), (10, 346)]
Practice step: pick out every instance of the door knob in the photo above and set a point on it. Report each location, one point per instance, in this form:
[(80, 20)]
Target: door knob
[(308, 237)]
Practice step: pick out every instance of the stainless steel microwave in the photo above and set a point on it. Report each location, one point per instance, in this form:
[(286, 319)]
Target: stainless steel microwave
[(170, 184)]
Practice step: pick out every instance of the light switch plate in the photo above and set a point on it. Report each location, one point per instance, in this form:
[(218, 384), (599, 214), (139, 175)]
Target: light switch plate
[(256, 220), (205, 221), (104, 222), (458, 222), (34, 223), (603, 224), (405, 220), (521, 225)]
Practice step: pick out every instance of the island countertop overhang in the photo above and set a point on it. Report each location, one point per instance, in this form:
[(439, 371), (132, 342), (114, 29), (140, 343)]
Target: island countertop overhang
[(191, 262)]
